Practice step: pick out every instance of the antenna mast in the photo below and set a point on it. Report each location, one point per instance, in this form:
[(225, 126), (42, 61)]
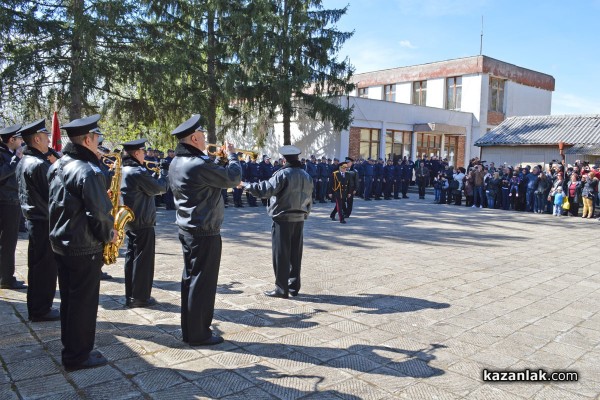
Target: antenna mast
[(481, 40)]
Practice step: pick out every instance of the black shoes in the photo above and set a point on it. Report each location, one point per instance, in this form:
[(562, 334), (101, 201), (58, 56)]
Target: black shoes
[(16, 285), (52, 315), (293, 293), (342, 222), (211, 341), (277, 293), (332, 218), (95, 359), (136, 303)]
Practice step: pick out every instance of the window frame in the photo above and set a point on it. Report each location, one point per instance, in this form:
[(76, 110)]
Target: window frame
[(363, 92), (389, 92), (372, 143), (498, 96), (420, 89), (454, 93)]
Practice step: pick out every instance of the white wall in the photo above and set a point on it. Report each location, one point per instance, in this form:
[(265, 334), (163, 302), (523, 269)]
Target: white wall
[(520, 155), (404, 92), (436, 92), (526, 100), (376, 92)]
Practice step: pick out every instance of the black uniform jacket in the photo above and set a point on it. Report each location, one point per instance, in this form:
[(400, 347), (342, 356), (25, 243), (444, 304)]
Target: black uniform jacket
[(196, 182), (290, 192), (32, 178), (138, 188), (8, 181), (340, 186), (80, 210)]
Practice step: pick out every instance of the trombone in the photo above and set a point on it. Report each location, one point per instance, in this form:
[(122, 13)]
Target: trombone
[(220, 151)]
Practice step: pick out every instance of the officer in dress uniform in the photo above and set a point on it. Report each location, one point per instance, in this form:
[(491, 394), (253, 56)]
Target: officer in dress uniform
[(33, 192), (237, 192), (311, 170), (290, 192), (80, 225), (323, 173), (265, 170), (252, 175), (10, 210), (388, 179), (339, 190), (139, 187), (397, 179), (197, 181), (368, 171), (354, 183)]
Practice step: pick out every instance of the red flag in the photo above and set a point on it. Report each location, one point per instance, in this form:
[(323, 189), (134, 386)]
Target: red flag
[(56, 142)]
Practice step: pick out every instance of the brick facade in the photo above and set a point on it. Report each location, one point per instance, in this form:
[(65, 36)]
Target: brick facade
[(494, 118), (354, 145)]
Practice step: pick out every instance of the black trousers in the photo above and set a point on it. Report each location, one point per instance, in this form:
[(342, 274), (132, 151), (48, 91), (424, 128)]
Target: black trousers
[(201, 258), (349, 204), (237, 196), (404, 185), (42, 270), (287, 241), (340, 207), (139, 263), (79, 283), (10, 214)]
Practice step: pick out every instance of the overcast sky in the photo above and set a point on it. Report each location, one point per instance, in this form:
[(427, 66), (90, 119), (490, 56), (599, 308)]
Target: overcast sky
[(559, 38)]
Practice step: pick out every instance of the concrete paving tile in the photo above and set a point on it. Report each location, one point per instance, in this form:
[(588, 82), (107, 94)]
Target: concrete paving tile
[(88, 377), (157, 379), (552, 393), (185, 390), (117, 389), (44, 386), (222, 384), (7, 392), (33, 367), (489, 392)]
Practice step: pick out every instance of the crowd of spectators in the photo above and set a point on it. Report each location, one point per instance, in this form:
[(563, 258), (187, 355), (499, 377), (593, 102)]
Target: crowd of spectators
[(556, 189)]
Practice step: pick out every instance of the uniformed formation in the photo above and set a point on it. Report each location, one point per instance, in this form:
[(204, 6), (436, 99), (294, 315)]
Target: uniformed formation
[(75, 215)]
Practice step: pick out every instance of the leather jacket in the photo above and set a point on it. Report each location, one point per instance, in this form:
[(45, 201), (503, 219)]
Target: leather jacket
[(290, 192), (32, 178), (138, 188), (196, 182), (80, 209), (8, 179)]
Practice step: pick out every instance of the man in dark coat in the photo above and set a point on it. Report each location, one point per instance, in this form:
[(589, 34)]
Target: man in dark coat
[(265, 171), (354, 183), (81, 225), (33, 192), (340, 186), (290, 192), (422, 176), (139, 187), (10, 210), (196, 182)]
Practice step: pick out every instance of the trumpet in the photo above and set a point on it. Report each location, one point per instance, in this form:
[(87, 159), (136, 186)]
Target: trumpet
[(152, 166), (220, 151)]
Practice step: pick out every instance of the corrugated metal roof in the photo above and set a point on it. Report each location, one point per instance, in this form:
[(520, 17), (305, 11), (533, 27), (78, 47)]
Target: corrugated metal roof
[(544, 130), (584, 149)]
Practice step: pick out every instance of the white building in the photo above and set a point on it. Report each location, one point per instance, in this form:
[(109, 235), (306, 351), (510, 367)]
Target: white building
[(438, 109)]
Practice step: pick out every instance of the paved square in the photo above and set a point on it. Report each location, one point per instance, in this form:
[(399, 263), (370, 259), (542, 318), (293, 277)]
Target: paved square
[(409, 300)]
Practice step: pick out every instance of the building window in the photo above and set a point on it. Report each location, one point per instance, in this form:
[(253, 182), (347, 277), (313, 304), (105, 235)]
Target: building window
[(429, 144), (454, 92), (420, 93), (496, 100), (363, 92), (389, 92), (369, 143), (397, 144)]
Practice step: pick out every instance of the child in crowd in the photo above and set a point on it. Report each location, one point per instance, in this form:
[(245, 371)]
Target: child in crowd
[(558, 201)]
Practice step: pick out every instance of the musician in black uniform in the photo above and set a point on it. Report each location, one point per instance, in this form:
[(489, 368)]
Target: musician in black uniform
[(290, 192), (33, 193), (139, 188), (196, 182), (10, 210), (340, 186), (80, 225)]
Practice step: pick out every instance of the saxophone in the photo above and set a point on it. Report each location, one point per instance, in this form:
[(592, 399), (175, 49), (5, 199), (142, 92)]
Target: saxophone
[(121, 213)]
